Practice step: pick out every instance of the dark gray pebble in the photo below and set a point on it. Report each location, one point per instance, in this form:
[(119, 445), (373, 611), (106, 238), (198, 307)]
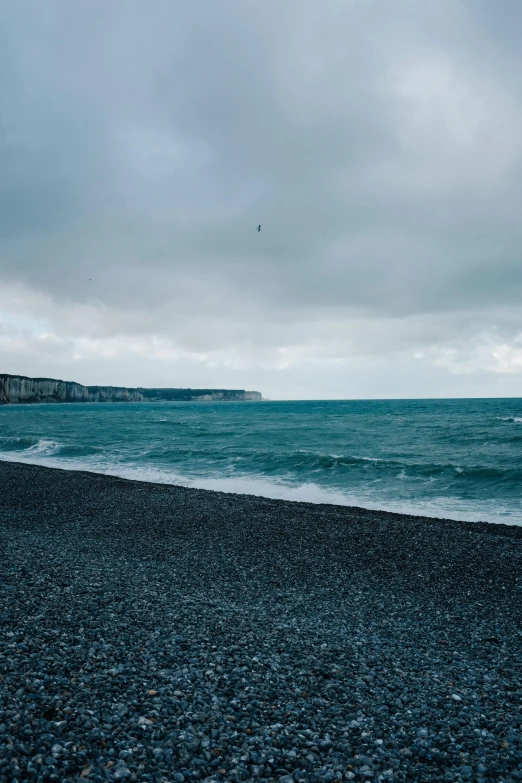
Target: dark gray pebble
[(160, 634)]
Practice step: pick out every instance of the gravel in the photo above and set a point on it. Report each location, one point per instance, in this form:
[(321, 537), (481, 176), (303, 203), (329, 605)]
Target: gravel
[(157, 633)]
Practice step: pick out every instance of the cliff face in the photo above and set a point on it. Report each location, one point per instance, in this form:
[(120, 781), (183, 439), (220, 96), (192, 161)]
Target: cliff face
[(20, 389), (17, 389)]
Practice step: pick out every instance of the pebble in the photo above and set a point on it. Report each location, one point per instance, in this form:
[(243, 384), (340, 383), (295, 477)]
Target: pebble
[(162, 634)]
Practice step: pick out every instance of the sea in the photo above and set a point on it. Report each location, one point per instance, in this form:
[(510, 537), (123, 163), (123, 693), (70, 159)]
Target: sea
[(455, 459)]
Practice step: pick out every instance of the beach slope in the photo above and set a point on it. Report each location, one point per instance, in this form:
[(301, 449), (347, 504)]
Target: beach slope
[(158, 633)]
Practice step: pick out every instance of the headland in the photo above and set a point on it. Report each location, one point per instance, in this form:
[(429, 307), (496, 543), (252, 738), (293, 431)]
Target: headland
[(15, 389)]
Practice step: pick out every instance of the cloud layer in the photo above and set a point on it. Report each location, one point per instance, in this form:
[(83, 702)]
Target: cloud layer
[(379, 146)]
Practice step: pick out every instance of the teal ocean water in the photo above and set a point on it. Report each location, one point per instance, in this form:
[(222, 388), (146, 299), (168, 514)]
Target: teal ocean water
[(460, 459)]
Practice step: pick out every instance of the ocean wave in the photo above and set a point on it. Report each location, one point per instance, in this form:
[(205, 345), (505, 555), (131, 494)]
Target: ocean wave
[(33, 446), (298, 464), (76, 451), (301, 465), (45, 447), (513, 439), (172, 422), (436, 456), (309, 491), (334, 469), (309, 460), (17, 444), (313, 459)]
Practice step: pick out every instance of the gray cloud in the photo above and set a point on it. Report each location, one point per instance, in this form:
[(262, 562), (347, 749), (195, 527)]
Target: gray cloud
[(380, 146)]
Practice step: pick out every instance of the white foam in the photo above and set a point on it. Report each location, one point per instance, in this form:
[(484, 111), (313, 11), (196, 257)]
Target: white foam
[(446, 508), (28, 454), (44, 447), (441, 507)]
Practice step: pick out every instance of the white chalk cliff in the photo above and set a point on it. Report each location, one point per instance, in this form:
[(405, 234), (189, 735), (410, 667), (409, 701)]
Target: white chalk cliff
[(20, 389)]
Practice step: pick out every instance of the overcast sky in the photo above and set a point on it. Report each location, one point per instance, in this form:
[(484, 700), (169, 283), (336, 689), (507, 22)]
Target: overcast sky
[(379, 144)]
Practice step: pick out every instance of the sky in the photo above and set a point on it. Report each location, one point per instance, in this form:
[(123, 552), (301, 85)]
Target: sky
[(379, 145)]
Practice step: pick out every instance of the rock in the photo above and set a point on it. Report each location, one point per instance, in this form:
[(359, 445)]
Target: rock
[(198, 661), (121, 772)]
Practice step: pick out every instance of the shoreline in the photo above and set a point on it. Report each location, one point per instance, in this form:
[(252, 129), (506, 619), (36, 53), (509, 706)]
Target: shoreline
[(170, 480), (151, 631)]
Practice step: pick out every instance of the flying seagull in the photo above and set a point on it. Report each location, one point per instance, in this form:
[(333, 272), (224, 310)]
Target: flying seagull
[(259, 227)]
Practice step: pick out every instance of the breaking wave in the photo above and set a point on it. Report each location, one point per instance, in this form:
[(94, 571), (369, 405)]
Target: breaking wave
[(33, 446), (454, 458)]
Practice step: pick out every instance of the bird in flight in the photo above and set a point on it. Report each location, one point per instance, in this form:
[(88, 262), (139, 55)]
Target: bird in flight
[(259, 227)]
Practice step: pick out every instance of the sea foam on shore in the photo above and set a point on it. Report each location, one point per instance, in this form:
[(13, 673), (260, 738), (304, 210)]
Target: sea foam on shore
[(458, 459)]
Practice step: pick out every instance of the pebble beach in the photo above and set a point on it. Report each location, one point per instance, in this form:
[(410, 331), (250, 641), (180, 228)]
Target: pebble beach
[(163, 634)]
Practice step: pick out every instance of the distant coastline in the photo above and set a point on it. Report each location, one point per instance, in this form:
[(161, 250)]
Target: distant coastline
[(20, 389)]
